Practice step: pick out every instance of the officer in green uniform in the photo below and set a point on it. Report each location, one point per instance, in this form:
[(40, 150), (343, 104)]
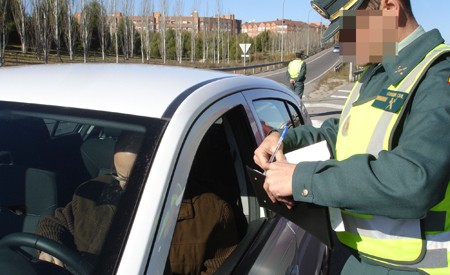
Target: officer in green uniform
[(296, 73), (390, 148)]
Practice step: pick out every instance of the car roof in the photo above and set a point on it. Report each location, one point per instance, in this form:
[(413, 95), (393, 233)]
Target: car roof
[(139, 89)]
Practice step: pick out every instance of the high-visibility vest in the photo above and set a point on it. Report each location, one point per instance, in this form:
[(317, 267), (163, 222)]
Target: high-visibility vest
[(364, 129), (294, 68)]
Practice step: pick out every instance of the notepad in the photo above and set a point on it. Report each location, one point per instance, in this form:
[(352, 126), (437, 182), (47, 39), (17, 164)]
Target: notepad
[(318, 152)]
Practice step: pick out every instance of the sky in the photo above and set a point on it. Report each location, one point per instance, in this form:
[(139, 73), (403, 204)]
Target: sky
[(429, 13)]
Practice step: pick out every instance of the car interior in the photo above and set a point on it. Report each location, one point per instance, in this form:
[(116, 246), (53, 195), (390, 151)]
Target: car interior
[(43, 158)]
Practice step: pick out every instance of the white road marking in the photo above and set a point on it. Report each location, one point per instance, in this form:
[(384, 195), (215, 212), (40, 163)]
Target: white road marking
[(344, 91), (323, 105), (332, 66), (339, 96)]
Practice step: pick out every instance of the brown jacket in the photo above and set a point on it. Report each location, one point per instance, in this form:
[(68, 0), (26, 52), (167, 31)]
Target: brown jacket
[(204, 236), (84, 222)]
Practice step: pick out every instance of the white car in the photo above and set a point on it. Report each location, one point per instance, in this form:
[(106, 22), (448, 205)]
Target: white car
[(336, 48), (59, 125)]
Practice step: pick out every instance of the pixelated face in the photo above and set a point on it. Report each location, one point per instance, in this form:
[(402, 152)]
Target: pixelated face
[(369, 36)]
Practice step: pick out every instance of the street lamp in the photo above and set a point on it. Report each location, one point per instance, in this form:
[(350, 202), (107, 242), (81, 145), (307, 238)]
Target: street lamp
[(307, 44), (282, 32)]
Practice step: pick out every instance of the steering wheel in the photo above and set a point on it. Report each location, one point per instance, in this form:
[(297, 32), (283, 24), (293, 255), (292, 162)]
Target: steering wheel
[(73, 260)]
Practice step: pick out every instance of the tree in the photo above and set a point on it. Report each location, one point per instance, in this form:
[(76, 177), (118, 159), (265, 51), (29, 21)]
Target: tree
[(114, 28), (3, 30), (171, 51), (194, 30), (70, 27), (55, 22), (147, 30), (179, 30), (128, 28), (85, 27), (156, 41), (101, 25), (40, 19), (19, 8), (163, 5)]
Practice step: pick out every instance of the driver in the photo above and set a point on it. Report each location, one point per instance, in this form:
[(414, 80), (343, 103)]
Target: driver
[(84, 222), (202, 239)]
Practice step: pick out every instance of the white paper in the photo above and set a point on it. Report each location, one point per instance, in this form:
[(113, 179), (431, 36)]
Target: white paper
[(318, 152), (315, 152)]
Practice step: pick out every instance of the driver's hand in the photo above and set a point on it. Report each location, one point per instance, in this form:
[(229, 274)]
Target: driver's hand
[(49, 258)]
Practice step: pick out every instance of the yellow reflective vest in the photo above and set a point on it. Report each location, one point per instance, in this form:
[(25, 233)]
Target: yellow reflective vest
[(368, 128), (294, 68)]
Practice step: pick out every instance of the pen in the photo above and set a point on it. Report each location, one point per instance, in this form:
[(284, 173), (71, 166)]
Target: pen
[(272, 157)]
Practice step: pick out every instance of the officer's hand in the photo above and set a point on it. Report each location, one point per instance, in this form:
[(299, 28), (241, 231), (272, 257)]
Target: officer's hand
[(49, 258), (265, 150), (278, 183), (292, 81)]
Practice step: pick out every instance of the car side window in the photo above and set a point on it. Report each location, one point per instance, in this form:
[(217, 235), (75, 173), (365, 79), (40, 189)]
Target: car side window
[(274, 114)]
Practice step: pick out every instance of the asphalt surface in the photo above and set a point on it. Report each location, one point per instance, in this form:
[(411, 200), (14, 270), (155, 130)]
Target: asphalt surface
[(320, 103)]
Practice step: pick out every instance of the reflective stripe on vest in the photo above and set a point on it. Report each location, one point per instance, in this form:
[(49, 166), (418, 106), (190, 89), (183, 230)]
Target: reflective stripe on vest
[(294, 68), (364, 129)]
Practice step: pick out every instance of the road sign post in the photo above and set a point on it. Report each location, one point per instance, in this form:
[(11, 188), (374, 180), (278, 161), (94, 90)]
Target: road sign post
[(245, 47)]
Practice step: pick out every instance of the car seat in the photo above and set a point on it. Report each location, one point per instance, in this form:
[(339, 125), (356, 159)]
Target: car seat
[(27, 195)]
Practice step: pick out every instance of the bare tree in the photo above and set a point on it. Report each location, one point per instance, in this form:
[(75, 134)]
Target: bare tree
[(69, 29), (41, 12), (147, 29), (3, 30), (194, 27), (19, 9), (219, 12), (163, 5), (179, 30), (56, 10), (85, 27), (102, 27), (127, 9), (205, 35), (113, 27)]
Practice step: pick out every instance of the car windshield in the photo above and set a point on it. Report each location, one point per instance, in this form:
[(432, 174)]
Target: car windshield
[(72, 161)]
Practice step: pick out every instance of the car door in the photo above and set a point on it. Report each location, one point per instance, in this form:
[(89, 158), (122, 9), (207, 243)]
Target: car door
[(262, 236), (301, 252)]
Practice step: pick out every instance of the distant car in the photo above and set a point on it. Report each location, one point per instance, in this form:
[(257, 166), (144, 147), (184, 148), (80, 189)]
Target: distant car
[(59, 125), (336, 48)]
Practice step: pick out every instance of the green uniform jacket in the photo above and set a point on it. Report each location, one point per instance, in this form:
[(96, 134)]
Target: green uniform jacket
[(404, 182)]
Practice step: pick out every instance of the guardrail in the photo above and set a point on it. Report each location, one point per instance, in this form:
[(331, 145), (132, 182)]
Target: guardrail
[(253, 68), (357, 74), (338, 67), (261, 67)]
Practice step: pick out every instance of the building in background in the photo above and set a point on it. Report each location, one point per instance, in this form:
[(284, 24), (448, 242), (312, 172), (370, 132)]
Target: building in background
[(193, 23), (278, 26)]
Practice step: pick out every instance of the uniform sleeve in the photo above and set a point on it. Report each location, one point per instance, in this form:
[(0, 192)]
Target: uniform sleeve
[(302, 74), (402, 183), (306, 135)]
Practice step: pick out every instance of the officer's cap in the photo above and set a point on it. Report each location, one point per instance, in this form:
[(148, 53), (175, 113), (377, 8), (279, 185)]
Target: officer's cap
[(332, 10)]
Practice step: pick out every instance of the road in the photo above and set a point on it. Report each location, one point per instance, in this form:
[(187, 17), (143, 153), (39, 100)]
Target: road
[(320, 104)]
